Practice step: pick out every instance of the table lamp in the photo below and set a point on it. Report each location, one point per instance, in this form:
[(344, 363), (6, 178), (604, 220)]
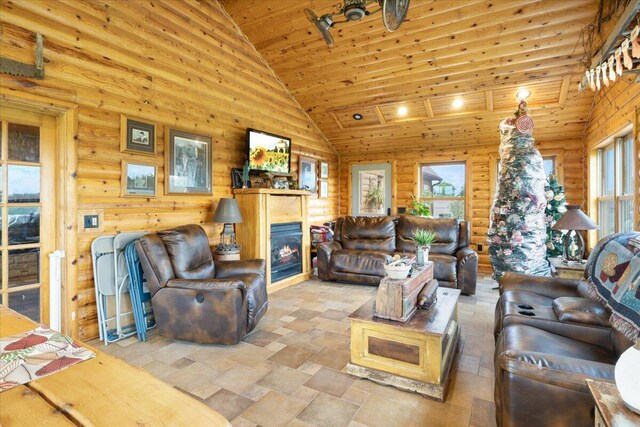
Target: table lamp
[(573, 221), (227, 213)]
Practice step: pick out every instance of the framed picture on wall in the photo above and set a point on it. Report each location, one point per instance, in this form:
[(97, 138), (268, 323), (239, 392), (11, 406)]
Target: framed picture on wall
[(138, 179), (307, 177), (187, 162), (137, 136), (324, 189), (324, 170)]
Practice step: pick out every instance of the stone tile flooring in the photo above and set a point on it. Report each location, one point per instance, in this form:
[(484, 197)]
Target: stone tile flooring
[(290, 371)]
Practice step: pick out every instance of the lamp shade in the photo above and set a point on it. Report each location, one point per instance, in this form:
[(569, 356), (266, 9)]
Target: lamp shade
[(574, 219), (228, 212)]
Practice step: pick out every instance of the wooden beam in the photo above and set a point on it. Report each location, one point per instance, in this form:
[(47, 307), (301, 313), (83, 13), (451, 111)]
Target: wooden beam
[(564, 91), (429, 108), (380, 115), (489, 97)]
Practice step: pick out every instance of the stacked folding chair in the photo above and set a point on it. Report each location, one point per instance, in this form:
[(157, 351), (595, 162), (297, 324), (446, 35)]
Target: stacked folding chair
[(139, 293)]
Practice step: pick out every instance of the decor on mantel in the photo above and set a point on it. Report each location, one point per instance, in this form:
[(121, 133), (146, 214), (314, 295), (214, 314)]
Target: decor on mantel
[(573, 221), (517, 232), (614, 282)]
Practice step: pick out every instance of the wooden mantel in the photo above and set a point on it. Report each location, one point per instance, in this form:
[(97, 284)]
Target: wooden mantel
[(262, 207)]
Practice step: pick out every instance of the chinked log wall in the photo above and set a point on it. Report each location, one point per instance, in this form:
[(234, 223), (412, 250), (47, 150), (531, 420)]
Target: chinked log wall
[(480, 159), (177, 63)]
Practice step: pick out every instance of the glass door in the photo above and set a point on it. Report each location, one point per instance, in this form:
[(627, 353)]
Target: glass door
[(27, 210), (371, 189)]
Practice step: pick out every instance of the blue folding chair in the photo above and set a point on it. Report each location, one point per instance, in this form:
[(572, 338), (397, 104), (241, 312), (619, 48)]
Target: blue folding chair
[(139, 293)]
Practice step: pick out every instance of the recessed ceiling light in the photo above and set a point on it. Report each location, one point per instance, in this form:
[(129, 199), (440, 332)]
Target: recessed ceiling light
[(357, 116), (402, 111), (522, 94), (457, 103)]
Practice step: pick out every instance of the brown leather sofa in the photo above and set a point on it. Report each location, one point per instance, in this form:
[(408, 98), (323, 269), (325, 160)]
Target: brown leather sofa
[(550, 339), (361, 245), (195, 298)]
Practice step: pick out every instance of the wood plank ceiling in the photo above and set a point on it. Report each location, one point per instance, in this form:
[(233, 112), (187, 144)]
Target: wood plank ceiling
[(482, 51)]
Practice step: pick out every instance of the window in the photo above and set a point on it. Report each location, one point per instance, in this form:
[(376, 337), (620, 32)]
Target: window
[(615, 186), (443, 187), (549, 165)]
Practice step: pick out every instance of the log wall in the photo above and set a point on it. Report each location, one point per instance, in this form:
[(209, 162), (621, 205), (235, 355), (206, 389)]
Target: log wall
[(480, 159), (181, 64)]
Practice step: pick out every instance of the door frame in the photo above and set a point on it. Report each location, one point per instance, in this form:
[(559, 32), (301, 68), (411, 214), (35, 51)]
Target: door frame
[(66, 117), (394, 182)]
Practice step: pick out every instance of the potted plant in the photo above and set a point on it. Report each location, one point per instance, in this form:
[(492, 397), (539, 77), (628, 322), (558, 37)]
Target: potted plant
[(424, 239), (419, 208)]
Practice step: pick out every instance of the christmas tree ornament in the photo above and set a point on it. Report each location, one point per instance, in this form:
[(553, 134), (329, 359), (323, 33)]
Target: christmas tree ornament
[(612, 73), (635, 43), (603, 70), (619, 61), (556, 207), (626, 59), (517, 232)]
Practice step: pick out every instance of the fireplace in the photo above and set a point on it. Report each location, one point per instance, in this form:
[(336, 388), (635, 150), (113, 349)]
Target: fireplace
[(286, 250)]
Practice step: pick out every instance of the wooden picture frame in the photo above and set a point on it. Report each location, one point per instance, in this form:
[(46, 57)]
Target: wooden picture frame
[(323, 191), (188, 165), (324, 170), (307, 174), (137, 136), (138, 179)]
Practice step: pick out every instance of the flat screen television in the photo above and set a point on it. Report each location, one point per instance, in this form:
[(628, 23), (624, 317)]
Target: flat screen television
[(268, 152)]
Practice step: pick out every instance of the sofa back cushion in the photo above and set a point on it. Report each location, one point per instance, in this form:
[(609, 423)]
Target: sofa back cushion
[(188, 249), (464, 238), (375, 233), (447, 230)]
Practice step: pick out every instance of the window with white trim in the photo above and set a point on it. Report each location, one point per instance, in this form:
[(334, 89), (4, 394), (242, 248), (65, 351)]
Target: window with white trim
[(614, 168), (442, 185)]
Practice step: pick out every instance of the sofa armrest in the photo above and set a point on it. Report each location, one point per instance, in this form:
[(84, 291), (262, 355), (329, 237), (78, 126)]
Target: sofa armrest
[(552, 287), (206, 285), (561, 371), (225, 269), (324, 255), (467, 270)]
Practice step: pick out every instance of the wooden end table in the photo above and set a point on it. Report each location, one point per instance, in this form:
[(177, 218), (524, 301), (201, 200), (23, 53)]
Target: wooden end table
[(610, 409), (571, 270), (415, 355)]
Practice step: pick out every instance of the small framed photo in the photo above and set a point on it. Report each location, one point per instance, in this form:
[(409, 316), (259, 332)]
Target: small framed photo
[(324, 189), (307, 174), (187, 162), (138, 180), (324, 170), (137, 136)]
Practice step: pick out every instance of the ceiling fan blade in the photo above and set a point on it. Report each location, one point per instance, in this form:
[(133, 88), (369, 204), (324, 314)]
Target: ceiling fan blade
[(322, 24), (311, 16), (394, 13)]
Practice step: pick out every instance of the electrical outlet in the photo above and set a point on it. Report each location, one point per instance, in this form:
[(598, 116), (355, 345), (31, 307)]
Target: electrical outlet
[(91, 221), (479, 247)]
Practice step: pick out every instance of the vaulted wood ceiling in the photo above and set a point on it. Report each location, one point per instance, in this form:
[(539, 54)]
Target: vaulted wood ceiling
[(482, 51)]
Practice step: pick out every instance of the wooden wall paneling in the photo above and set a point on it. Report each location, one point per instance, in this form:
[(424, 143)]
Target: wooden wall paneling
[(176, 64)]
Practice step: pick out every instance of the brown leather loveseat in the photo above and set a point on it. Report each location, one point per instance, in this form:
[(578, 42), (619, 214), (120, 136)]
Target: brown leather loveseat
[(550, 338), (195, 298), (361, 245)]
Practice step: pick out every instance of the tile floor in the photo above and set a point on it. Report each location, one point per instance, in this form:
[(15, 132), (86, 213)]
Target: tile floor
[(290, 371)]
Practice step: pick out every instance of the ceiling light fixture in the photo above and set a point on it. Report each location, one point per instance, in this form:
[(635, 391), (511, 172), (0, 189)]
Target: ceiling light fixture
[(457, 103), (357, 116), (402, 111), (523, 94)]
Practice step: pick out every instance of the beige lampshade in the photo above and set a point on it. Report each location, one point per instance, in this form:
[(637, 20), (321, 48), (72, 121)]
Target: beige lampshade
[(574, 219), (228, 212)]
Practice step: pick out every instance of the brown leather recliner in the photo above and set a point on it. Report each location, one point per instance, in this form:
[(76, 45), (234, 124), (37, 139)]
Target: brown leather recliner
[(195, 298), (361, 245)]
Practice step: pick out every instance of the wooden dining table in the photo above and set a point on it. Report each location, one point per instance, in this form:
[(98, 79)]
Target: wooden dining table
[(103, 391)]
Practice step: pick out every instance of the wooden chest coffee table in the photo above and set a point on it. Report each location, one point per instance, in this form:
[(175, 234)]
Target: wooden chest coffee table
[(414, 355)]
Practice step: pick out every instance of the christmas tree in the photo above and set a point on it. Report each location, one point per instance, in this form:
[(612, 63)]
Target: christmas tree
[(517, 232), (556, 207)]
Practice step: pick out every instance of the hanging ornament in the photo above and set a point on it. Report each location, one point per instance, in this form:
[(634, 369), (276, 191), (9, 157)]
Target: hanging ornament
[(612, 73), (603, 70), (524, 123), (598, 77), (635, 43), (619, 61), (592, 81), (628, 62)]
